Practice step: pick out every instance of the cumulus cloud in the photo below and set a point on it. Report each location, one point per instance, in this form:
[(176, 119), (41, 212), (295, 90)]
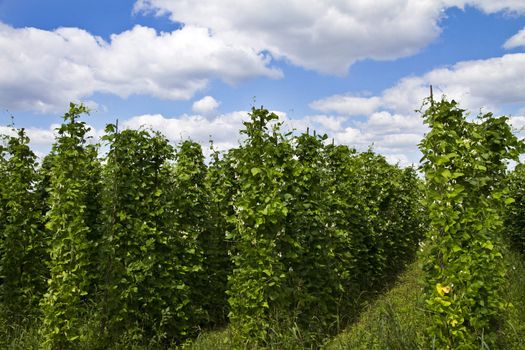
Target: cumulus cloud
[(326, 36), (491, 6), (323, 35), (231, 41), (385, 133), (518, 123), (517, 40), (42, 139), (489, 83), (37, 136), (386, 123), (223, 129), (400, 159), (326, 122), (205, 105), (43, 70), (347, 104), (393, 126)]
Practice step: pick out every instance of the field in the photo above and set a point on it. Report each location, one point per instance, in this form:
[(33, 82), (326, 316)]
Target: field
[(286, 242)]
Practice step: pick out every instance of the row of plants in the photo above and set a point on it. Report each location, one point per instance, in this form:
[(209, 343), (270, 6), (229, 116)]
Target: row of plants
[(466, 165), (464, 292), (515, 213), (317, 227), (282, 236)]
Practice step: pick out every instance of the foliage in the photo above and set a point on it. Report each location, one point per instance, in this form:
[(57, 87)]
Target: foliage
[(316, 226), (398, 318), (70, 220), (22, 244), (465, 164), (286, 236), (315, 273), (147, 253), (515, 213), (191, 201), (260, 212)]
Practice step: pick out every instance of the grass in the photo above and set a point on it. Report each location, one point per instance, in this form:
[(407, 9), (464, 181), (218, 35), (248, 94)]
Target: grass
[(396, 320)]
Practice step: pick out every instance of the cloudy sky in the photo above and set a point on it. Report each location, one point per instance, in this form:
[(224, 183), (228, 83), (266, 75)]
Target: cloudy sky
[(355, 69)]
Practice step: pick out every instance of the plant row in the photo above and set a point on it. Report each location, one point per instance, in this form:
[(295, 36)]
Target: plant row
[(466, 162), (282, 236)]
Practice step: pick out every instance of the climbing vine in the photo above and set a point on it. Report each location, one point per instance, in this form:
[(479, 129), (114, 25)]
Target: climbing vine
[(73, 176), (465, 163), (260, 211), (145, 290), (22, 246)]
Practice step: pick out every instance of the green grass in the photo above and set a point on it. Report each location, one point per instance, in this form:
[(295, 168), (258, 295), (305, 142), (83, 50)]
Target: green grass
[(397, 320)]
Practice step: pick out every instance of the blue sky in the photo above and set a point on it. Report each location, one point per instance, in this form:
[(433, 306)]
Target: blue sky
[(356, 70)]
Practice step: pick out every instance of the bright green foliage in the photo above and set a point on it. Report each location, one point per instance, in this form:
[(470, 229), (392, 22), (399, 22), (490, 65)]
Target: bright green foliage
[(3, 202), (145, 290), (284, 235), (22, 251), (465, 165), (260, 213), (348, 217), (73, 179), (316, 227), (515, 213)]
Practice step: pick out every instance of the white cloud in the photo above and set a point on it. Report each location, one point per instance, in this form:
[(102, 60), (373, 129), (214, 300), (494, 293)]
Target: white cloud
[(326, 122), (43, 70), (347, 104), (489, 83), (323, 35), (518, 123), (41, 137), (364, 135), (37, 136), (407, 95), (399, 158), (205, 105), (7, 131), (231, 41), (393, 126), (491, 6), (403, 141), (223, 129), (517, 40), (386, 123)]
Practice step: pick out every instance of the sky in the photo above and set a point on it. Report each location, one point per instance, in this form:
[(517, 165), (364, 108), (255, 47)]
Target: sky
[(356, 70)]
